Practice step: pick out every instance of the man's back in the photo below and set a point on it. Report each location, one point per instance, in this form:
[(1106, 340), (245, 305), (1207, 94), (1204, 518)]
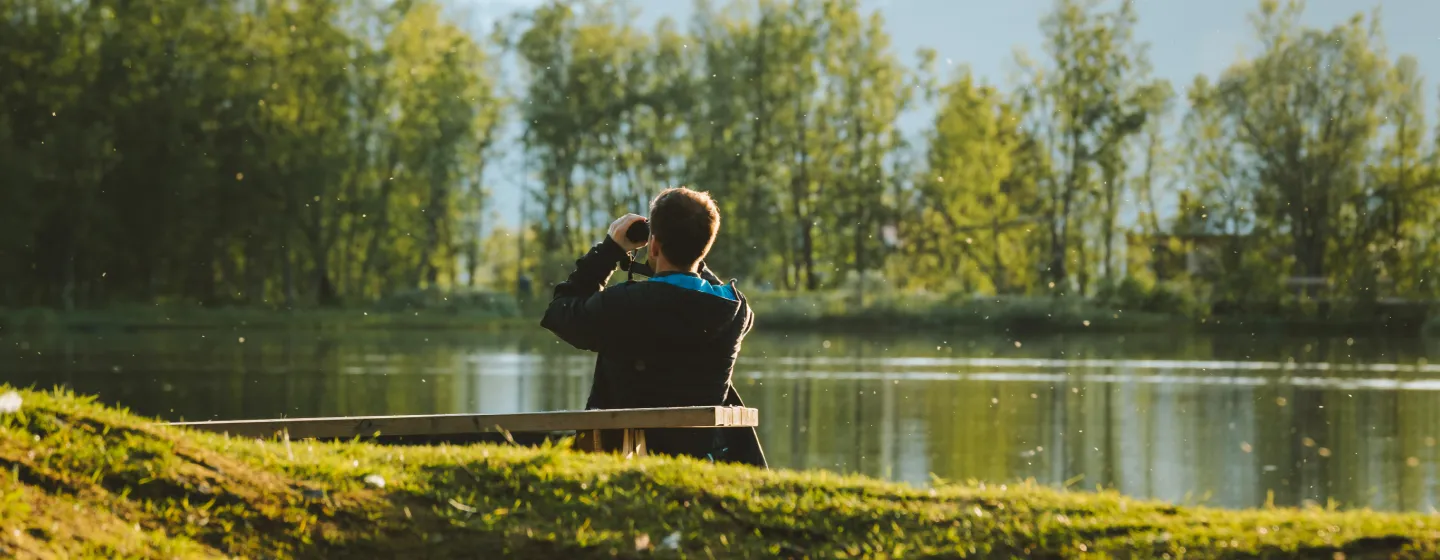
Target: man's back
[(686, 342), (667, 342)]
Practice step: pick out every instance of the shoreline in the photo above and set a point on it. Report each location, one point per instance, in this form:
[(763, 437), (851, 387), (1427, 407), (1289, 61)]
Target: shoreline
[(89, 481), (781, 316)]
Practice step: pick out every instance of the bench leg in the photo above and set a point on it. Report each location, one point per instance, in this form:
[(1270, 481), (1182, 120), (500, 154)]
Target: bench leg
[(634, 445), (588, 441), (631, 444)]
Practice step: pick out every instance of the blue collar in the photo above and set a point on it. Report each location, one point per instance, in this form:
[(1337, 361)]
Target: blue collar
[(692, 281)]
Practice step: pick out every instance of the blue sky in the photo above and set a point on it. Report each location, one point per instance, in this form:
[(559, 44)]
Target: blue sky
[(1187, 37)]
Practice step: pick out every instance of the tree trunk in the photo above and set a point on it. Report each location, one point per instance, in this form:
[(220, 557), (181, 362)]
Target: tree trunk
[(325, 293), (801, 193), (1061, 256), (472, 261), (373, 256), (67, 290), (254, 276), (998, 274), (324, 288), (861, 190), (289, 274), (1108, 226)]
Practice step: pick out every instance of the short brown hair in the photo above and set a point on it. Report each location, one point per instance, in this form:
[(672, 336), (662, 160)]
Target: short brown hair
[(685, 222)]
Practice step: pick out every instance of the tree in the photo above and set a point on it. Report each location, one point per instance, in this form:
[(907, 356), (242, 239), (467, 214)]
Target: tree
[(1306, 112), (318, 153), (217, 152), (1086, 106), (1401, 197), (970, 220)]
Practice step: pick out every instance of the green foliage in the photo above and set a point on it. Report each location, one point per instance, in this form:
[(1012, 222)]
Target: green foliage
[(29, 319), (1290, 164), (86, 481), (330, 152), (786, 105), (786, 113), (226, 153), (971, 222), (1089, 100), (1172, 297), (476, 303)]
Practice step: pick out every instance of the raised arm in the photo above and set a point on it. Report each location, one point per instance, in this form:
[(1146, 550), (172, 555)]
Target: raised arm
[(581, 312)]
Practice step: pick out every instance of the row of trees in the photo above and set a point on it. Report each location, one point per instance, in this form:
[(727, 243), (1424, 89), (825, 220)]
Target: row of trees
[(329, 150), (785, 111), (1311, 159), (285, 152)]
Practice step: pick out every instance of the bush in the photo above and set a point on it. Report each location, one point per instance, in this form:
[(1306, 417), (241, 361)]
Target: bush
[(1129, 292), (479, 302), (1175, 297), (31, 319), (1172, 297)]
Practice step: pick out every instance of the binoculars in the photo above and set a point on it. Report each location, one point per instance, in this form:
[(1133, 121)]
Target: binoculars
[(638, 232)]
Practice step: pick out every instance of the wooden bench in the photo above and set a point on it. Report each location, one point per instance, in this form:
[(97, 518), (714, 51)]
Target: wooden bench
[(619, 430)]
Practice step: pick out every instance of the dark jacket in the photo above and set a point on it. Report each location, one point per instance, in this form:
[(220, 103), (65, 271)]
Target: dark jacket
[(659, 345)]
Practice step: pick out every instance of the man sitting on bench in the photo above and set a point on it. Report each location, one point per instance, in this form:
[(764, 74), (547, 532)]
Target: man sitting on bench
[(667, 342)]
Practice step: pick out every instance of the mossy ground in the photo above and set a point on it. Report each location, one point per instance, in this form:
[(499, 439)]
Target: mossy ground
[(85, 481)]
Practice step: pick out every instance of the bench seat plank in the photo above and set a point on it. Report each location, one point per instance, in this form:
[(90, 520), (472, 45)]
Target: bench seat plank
[(448, 424)]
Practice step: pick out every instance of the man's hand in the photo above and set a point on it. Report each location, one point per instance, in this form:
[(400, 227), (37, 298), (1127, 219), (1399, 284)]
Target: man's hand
[(622, 225)]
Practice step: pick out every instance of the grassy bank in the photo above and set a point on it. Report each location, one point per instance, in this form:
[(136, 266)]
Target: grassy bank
[(429, 309), (1043, 315), (82, 480), (826, 311), (189, 317)]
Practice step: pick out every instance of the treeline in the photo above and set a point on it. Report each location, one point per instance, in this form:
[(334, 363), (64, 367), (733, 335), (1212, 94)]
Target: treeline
[(1311, 160), (237, 152), (361, 133)]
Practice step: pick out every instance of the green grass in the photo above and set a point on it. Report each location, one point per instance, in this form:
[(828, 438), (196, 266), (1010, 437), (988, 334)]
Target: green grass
[(84, 481)]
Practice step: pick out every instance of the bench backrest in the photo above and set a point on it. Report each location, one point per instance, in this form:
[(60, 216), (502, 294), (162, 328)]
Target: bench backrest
[(459, 424)]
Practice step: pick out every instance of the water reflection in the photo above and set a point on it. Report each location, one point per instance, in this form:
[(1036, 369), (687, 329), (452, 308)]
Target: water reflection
[(1223, 421)]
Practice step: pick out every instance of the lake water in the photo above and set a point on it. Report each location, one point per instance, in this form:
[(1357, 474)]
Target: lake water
[(1231, 422)]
